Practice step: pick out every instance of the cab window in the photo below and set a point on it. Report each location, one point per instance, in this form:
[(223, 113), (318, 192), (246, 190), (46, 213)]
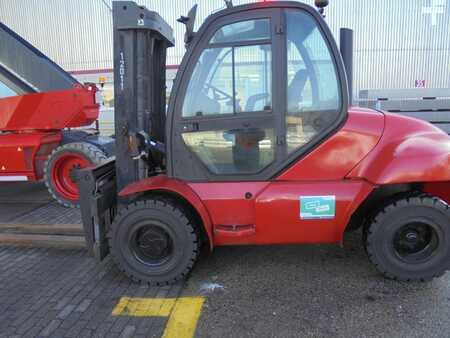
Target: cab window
[(234, 79), (243, 31), (313, 95)]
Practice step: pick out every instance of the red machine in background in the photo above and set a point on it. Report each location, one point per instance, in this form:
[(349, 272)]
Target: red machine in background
[(39, 104)]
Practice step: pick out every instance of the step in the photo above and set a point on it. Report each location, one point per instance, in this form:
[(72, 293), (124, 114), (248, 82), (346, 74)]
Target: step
[(54, 241), (43, 229)]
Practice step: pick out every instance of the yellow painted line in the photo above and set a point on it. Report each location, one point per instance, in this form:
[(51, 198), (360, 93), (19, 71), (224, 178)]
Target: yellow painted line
[(183, 312), (144, 307), (183, 320)]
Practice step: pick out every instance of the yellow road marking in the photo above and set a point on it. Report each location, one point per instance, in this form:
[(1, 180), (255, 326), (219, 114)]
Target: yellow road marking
[(183, 312), (184, 317), (144, 307)]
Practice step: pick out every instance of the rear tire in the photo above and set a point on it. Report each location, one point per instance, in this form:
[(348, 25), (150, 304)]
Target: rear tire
[(58, 169), (409, 240), (154, 241)]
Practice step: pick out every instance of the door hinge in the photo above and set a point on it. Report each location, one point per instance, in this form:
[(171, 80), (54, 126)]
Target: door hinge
[(281, 140), (279, 29)]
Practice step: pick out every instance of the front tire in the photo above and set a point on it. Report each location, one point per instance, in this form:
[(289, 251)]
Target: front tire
[(59, 166), (409, 240), (154, 241)]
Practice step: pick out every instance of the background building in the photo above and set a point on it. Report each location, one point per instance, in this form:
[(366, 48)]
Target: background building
[(398, 44)]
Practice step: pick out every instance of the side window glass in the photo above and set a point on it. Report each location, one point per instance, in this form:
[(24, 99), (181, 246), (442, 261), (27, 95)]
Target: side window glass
[(236, 151), (210, 89), (230, 80), (313, 95), (243, 31), (5, 91), (253, 78)]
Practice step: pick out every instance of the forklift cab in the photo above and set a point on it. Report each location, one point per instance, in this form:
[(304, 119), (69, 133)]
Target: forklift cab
[(258, 87)]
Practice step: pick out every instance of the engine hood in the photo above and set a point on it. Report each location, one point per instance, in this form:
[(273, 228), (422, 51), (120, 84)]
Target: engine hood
[(409, 150)]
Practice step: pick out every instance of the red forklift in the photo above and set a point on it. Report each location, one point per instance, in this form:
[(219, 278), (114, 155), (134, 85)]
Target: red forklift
[(41, 107), (260, 146)]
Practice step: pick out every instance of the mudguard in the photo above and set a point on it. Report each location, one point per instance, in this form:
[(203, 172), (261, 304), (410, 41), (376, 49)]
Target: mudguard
[(174, 186), (409, 151)]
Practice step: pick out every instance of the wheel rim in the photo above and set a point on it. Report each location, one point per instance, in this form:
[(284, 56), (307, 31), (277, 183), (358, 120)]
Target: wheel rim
[(416, 242), (151, 245), (61, 175)]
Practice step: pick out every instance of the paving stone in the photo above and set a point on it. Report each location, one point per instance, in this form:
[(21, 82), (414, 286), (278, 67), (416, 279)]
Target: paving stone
[(128, 331), (83, 305), (51, 213), (54, 324), (66, 311)]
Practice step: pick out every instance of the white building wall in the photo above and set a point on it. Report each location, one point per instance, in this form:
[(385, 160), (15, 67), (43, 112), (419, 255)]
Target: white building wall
[(396, 41)]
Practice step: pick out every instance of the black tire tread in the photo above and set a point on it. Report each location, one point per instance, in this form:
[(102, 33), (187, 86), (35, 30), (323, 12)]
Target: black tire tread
[(186, 220), (95, 154), (413, 199)]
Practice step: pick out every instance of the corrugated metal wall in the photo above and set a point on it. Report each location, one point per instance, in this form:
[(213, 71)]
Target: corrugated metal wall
[(396, 42)]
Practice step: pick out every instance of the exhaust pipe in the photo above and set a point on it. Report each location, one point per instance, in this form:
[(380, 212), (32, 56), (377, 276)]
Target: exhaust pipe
[(346, 47)]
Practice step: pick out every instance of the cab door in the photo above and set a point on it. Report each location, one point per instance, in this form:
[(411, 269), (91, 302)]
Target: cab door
[(226, 118)]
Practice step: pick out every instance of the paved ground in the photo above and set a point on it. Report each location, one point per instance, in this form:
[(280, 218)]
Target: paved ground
[(17, 199), (61, 293), (310, 291), (314, 291)]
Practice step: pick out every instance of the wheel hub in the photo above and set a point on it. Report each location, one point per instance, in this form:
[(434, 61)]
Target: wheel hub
[(415, 242), (412, 236), (62, 174), (151, 245)]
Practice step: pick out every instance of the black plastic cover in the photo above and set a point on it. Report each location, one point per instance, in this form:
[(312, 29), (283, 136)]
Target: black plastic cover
[(97, 187)]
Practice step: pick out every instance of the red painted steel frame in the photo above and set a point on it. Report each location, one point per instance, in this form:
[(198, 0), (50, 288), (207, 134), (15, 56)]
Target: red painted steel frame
[(49, 111), (372, 148), (24, 154), (32, 124)]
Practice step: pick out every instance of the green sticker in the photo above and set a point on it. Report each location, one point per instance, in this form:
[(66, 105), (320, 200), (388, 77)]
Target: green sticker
[(317, 207)]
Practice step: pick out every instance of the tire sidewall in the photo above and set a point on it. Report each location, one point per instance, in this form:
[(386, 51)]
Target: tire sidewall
[(382, 242), (68, 148), (184, 243)]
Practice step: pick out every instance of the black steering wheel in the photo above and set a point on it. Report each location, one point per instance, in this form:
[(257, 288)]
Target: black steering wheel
[(219, 95)]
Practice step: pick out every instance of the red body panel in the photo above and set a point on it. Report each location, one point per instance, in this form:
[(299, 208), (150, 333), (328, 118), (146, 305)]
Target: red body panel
[(409, 151), (25, 154), (49, 111), (335, 157), (227, 202), (274, 211), (278, 211), (372, 148)]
